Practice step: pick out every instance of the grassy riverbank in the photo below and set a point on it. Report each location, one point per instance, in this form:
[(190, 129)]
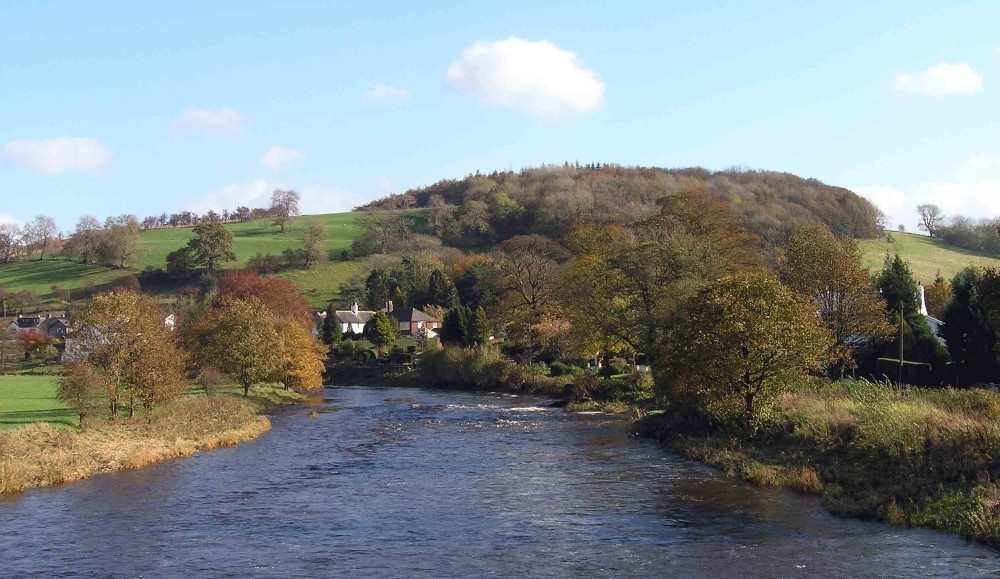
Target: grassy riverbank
[(53, 452), (904, 456)]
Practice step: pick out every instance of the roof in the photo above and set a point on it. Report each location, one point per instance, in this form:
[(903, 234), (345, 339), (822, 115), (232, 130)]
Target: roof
[(31, 322), (349, 317), (412, 315), (51, 322)]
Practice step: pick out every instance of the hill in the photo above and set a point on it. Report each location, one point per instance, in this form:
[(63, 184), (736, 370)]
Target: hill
[(927, 255), (484, 209), (318, 283)]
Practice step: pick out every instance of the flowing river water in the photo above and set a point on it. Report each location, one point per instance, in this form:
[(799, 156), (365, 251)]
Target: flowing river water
[(405, 483)]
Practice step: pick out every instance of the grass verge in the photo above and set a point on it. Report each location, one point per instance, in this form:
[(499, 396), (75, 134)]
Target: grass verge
[(909, 456), (47, 453)]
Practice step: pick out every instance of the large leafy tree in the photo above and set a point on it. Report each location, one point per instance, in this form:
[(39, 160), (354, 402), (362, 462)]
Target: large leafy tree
[(239, 339), (122, 338), (280, 296), (743, 340), (629, 283), (829, 271), (212, 245), (302, 357)]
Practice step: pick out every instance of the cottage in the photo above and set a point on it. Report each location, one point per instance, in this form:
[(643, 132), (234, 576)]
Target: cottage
[(353, 320), (413, 322)]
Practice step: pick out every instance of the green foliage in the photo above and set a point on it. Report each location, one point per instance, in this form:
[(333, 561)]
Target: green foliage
[(331, 327), (477, 368), (479, 327), (743, 341), (455, 327), (440, 291), (381, 331), (211, 246)]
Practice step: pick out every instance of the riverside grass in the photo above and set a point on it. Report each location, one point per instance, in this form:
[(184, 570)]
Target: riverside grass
[(909, 456), (43, 454)]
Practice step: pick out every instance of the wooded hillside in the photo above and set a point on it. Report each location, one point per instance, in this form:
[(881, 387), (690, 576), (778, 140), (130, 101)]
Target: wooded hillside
[(551, 200)]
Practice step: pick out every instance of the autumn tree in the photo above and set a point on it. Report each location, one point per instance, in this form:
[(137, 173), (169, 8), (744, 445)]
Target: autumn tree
[(240, 339), (82, 388), (284, 205), (313, 235), (931, 218), (302, 357), (121, 336), (280, 296), (938, 295), (212, 245), (829, 271), (743, 340)]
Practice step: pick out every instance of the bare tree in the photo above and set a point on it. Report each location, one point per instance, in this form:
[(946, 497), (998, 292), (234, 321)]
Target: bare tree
[(284, 204), (385, 230), (931, 217), (312, 241), (10, 241), (41, 234)]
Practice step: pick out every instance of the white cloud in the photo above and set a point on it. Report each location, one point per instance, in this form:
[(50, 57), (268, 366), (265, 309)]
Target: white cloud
[(535, 76), (384, 94), (971, 191), (312, 200), (4, 219), (277, 157), (944, 78), (58, 155), (254, 194), (224, 121)]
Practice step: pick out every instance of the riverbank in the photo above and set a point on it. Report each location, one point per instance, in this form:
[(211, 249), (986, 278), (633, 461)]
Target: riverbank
[(43, 454), (909, 456)]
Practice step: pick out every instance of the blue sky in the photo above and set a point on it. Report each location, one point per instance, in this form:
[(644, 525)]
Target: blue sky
[(110, 108)]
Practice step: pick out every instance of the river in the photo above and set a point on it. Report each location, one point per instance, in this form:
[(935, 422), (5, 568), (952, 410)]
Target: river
[(405, 483)]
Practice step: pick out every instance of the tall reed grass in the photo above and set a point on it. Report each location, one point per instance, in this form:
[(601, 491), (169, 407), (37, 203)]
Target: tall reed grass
[(40, 454)]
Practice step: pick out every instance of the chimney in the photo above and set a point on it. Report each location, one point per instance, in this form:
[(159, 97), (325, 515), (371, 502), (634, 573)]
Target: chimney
[(923, 303), (354, 308)]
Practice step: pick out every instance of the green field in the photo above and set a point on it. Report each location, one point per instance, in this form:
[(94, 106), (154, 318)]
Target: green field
[(927, 256), (318, 283), (27, 399)]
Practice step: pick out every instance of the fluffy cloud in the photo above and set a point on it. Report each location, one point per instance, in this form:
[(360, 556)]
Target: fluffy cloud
[(312, 200), (384, 94), (942, 79), (970, 191), (4, 218), (535, 76), (277, 157), (58, 155), (224, 121)]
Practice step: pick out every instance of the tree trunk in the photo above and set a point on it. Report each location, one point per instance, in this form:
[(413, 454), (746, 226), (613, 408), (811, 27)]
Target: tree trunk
[(246, 389)]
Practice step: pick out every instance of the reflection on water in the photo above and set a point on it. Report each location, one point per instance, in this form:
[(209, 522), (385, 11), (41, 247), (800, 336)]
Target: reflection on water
[(425, 483)]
